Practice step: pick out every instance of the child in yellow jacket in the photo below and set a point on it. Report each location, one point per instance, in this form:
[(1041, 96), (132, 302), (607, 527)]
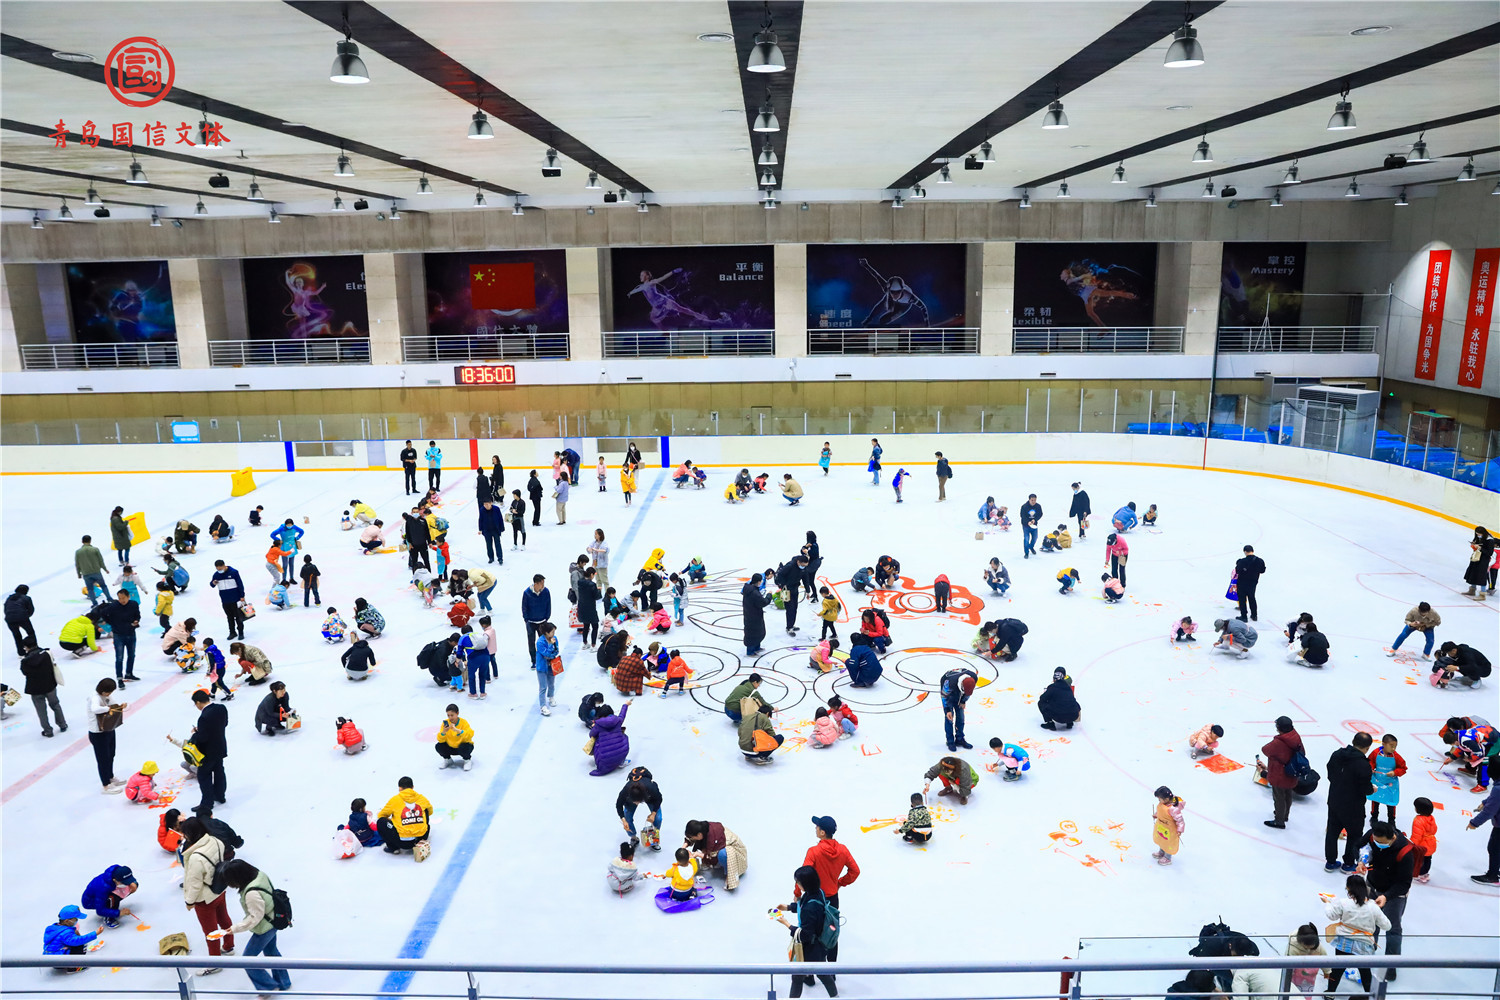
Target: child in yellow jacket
[(455, 738), (164, 598), (682, 875), (627, 481), (829, 613)]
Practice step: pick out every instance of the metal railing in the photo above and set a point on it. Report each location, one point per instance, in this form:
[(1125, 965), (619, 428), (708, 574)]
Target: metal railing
[(903, 340), (70, 357), (1297, 339), (1097, 340), (983, 980), (504, 346), (690, 344), (312, 351)]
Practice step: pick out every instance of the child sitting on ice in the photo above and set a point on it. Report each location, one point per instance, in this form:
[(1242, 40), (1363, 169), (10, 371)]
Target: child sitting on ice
[(657, 659), (821, 658), (1067, 579), (359, 824), (700, 477), (350, 739), (278, 598), (214, 660), (142, 785), (864, 579), (623, 874), (186, 656), (1149, 518), (825, 731), (346, 522), (334, 628), (1183, 630), (1113, 592), (844, 715), (1013, 757), (1004, 519), (682, 874), (696, 571), (1205, 742), (431, 499), (255, 517), (661, 621), (427, 589), (997, 576), (760, 482), (677, 673), (732, 494), (918, 826)]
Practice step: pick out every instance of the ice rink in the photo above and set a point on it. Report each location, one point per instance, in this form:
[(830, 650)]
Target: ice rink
[(521, 842)]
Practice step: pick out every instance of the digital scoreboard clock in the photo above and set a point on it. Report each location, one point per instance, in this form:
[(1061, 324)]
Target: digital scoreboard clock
[(484, 375)]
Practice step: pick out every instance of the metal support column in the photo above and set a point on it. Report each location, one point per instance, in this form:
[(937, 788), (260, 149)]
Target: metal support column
[(1114, 416), (1047, 419), (1026, 414), (1081, 394), (1406, 442)]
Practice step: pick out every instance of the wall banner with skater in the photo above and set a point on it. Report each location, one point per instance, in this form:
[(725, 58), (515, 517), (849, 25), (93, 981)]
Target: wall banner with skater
[(1262, 283), (495, 292), (666, 289), (121, 302), (886, 286), (300, 298), (1085, 285)]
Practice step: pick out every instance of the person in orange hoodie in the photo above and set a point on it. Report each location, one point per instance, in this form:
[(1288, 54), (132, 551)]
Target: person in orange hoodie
[(1424, 837), (677, 673), (166, 833), (834, 864)]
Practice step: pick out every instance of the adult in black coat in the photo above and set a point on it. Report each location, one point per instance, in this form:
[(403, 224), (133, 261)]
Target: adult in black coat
[(648, 589), (209, 737), (497, 478), (358, 659), (1348, 785), (434, 659), (409, 469), (1057, 704), (814, 561), (418, 536), (1010, 635), (1471, 665), (588, 596), (612, 650), (753, 603), (632, 454), (1481, 552), (1080, 508), (789, 578), (1247, 573), (1393, 862), (639, 789), (272, 712), (18, 612), (483, 491), (40, 671), (534, 490)]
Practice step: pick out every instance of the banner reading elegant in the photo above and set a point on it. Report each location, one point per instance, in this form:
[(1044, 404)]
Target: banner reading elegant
[(1477, 318), (1431, 333), (300, 298)]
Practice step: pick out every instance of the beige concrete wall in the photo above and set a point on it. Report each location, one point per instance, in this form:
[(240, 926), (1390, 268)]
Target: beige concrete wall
[(383, 297), (198, 306), (20, 314), (1201, 321), (790, 263), (584, 326), (997, 297)]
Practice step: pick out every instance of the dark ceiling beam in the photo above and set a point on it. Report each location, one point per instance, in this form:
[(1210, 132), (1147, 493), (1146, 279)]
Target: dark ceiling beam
[(105, 179), (1330, 147), (1148, 26), (41, 56), (214, 166), (371, 28), (1411, 62), (1383, 169), (60, 196), (746, 17)]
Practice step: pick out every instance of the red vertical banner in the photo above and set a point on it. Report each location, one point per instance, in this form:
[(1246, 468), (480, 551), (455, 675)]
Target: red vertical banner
[(1433, 291), (1477, 318)]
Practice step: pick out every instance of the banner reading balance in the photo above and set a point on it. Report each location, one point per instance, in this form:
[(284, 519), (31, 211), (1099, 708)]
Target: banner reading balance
[(1477, 318), (1434, 291)]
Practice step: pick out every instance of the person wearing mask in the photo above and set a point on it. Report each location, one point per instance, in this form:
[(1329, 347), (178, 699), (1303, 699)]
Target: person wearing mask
[(1247, 573), (1393, 860), (1031, 515), (753, 603), (124, 617), (1081, 510), (497, 479), (257, 904), (18, 612), (202, 853), (1058, 703), (1349, 785), (811, 908), (789, 578), (1279, 751), (231, 589), (274, 710), (88, 562), (588, 607), (210, 739), (289, 537), (105, 716), (536, 610), (409, 469), (1476, 573), (40, 671), (418, 536)]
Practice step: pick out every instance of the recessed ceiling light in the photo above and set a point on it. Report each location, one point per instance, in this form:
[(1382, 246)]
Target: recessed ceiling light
[(716, 36), (408, 157), (294, 124), (1080, 146), (73, 56), (1374, 29), (1179, 107)]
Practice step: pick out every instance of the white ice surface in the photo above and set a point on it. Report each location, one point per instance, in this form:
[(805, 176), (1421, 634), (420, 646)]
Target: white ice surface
[(991, 885)]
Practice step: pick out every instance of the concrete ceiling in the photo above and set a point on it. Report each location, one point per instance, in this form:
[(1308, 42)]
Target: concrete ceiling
[(879, 90)]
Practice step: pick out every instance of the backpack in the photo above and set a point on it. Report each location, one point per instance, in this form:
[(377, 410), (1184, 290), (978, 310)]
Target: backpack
[(459, 614), (828, 936), (442, 524), (191, 755), (1297, 766), (280, 913), (217, 882), (880, 613), (1214, 938)]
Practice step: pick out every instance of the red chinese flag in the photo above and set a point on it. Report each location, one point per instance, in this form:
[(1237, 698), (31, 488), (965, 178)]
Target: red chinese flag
[(502, 286)]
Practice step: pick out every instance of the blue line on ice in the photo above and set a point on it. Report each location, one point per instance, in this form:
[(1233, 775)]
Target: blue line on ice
[(443, 893)]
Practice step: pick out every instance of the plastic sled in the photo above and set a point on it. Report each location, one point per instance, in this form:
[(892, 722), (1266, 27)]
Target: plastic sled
[(666, 904)]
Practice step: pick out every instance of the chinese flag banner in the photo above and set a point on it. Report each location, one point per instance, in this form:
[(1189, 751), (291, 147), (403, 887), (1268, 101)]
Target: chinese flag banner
[(1433, 292), (502, 286), (1477, 318)]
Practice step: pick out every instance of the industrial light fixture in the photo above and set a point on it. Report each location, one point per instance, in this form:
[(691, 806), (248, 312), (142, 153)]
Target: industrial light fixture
[(898, 201), (1119, 174), (766, 120), (765, 55), (1343, 113), (1203, 154), (767, 178), (1401, 201), (945, 176), (1184, 52), (65, 212), (767, 157), (479, 201), (423, 187), (1208, 189), (479, 126), (770, 203), (1151, 200), (918, 192), (36, 221), (253, 194), (516, 209), (593, 182), (1291, 175), (590, 210), (1496, 188), (155, 220), (1062, 190), (395, 215), (1276, 199), (344, 168), (200, 208), (92, 198), (1055, 117), (642, 207), (1352, 191), (624, 196), (338, 203), (1467, 173), (1419, 151), (1025, 198), (137, 175), (274, 218), (551, 165), (348, 67), (986, 152)]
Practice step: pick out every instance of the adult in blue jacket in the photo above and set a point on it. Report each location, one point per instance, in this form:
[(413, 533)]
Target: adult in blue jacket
[(546, 650), (1125, 518), (573, 460), (864, 665), (955, 687), (99, 894), (226, 580), (492, 527), (288, 536), (536, 608), (62, 938), (1489, 813), (434, 456)]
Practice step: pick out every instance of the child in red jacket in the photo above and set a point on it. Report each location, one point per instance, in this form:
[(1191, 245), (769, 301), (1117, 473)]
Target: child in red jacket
[(1424, 836), (677, 673), (350, 739), (847, 720)]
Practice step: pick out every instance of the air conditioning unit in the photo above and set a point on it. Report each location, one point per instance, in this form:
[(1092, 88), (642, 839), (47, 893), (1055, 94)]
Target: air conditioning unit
[(1279, 387), (1334, 384), (1330, 418)]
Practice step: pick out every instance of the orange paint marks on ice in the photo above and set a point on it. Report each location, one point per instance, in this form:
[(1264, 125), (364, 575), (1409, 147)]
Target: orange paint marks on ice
[(1219, 764), (868, 751)]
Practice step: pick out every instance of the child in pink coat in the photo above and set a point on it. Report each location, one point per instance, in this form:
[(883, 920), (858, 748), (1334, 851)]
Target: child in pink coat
[(826, 730), (1205, 742), (142, 787), (1116, 554), (661, 620)]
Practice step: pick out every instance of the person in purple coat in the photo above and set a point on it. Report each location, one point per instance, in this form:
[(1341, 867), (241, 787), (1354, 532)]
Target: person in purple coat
[(611, 745)]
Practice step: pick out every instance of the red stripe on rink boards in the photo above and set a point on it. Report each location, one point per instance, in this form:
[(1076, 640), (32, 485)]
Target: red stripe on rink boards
[(473, 453), (76, 746)]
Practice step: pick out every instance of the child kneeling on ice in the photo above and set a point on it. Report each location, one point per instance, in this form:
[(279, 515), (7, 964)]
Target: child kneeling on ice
[(1183, 630), (918, 826), (350, 739), (334, 627), (142, 785), (1013, 757), (1205, 742), (623, 875), (1113, 592), (844, 715), (826, 731)]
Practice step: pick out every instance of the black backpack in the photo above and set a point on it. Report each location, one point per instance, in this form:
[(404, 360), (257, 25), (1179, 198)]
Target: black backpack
[(884, 620), (280, 913), (1297, 766), (1214, 938)]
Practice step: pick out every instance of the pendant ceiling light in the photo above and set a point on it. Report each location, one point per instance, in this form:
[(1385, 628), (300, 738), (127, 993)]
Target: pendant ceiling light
[(395, 215), (36, 221), (1343, 113), (200, 208), (348, 67), (343, 168), (1208, 189), (986, 152), (1496, 188), (273, 218), (338, 203), (897, 201), (1419, 151), (1151, 200), (765, 120), (137, 175), (253, 194), (1062, 190), (1119, 177), (1467, 173), (642, 207), (765, 55), (92, 198), (767, 178), (945, 176), (479, 201), (1055, 116), (1291, 175), (769, 203), (1184, 52), (1276, 199), (918, 192), (593, 182), (1203, 154), (479, 126), (1401, 201), (1025, 199), (65, 212), (423, 187), (155, 220), (1352, 191), (767, 156), (551, 165), (516, 209)]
